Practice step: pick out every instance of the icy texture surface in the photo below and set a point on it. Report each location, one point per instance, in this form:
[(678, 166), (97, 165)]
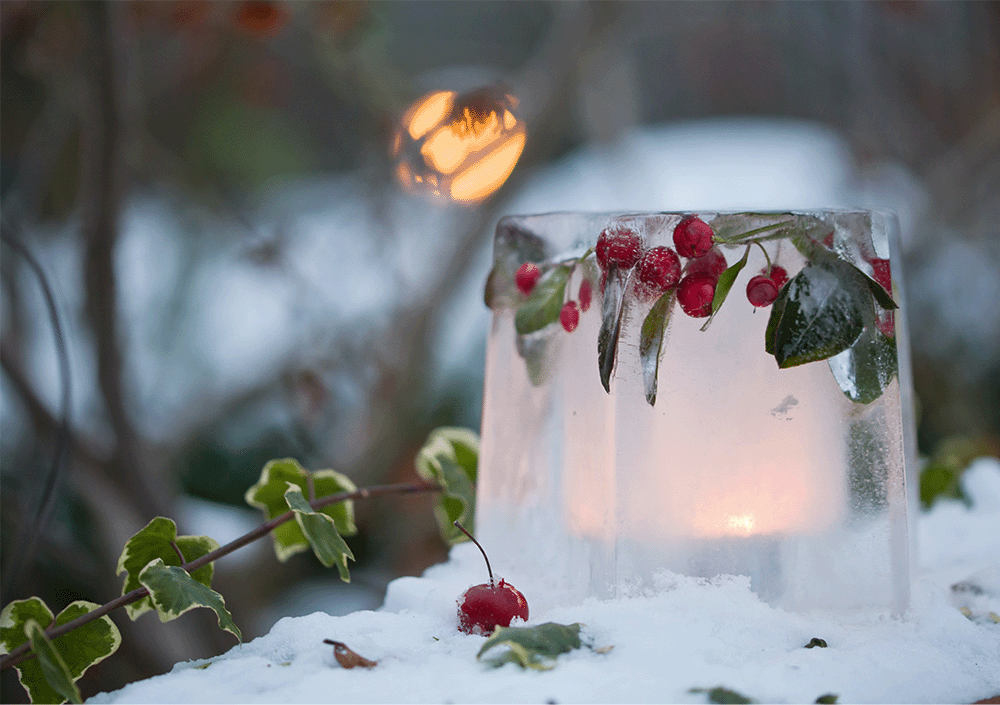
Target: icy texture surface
[(740, 467)]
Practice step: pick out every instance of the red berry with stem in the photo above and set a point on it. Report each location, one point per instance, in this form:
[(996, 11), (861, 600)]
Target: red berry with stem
[(693, 237), (659, 269), (695, 293), (483, 608), (778, 275), (712, 262), (761, 290), (586, 294), (526, 277), (569, 316), (619, 248)]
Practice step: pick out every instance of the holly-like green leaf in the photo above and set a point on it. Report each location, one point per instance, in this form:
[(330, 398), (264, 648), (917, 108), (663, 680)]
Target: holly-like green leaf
[(822, 313), (268, 495), (613, 307), (865, 369), (53, 667), (651, 338), (723, 286), (79, 649), (532, 647), (723, 696), (320, 531), (155, 541), (450, 457), (174, 592), (546, 300)]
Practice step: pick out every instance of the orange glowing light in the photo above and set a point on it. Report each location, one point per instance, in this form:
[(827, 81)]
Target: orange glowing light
[(468, 145)]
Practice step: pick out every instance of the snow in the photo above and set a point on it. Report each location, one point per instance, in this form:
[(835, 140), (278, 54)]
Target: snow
[(688, 633)]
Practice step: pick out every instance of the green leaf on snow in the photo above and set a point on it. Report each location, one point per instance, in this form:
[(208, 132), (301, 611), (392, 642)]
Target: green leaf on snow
[(268, 495), (155, 541), (450, 457), (79, 649), (827, 699), (725, 283), (651, 337), (320, 531), (723, 696), (546, 300), (532, 647), (174, 592)]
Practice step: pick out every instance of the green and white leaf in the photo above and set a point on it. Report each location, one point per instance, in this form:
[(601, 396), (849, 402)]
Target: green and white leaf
[(543, 305), (54, 669), (532, 647), (320, 531), (154, 541), (725, 284), (79, 649), (450, 457), (268, 495), (174, 592), (651, 339)]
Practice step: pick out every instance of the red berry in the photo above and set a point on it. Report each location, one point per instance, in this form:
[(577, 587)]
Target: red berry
[(659, 269), (778, 275), (526, 277), (693, 237), (695, 293), (712, 262), (617, 247), (886, 322), (882, 273), (761, 290), (586, 292), (482, 608), (260, 19), (569, 316)]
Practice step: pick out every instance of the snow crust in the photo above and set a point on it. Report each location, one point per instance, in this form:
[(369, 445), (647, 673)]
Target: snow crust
[(687, 633)]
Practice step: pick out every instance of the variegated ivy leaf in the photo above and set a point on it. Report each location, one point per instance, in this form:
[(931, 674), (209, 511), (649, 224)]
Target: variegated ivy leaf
[(320, 531), (54, 669), (156, 540), (268, 495), (532, 647), (450, 457), (78, 650), (173, 592)]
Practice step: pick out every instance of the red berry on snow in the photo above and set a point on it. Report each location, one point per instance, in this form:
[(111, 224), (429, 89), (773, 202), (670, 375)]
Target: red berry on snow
[(778, 275), (693, 237), (526, 277), (695, 293), (569, 316), (482, 608), (586, 293), (712, 262), (618, 247), (761, 290), (659, 269)]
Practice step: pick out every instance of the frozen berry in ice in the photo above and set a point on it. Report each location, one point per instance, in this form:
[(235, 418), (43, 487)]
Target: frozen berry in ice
[(695, 293), (693, 237), (526, 277), (569, 316), (617, 247), (482, 608), (778, 275), (586, 294), (659, 269), (882, 273), (761, 290), (712, 263)]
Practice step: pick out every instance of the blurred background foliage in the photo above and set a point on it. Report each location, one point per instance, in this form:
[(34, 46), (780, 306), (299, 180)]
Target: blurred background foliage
[(235, 213)]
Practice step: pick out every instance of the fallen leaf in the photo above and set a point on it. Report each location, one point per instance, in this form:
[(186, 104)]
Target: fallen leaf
[(348, 658), (816, 641)]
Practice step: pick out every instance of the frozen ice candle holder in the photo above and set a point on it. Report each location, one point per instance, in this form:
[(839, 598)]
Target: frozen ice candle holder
[(703, 394)]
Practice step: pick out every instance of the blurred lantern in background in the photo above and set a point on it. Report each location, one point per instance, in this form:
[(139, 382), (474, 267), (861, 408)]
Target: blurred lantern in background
[(459, 147)]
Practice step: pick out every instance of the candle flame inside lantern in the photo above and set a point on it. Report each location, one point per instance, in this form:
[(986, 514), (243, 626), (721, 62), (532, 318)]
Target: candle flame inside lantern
[(459, 147)]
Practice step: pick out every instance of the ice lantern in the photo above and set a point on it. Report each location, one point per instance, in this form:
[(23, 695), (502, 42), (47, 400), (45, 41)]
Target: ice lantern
[(780, 439)]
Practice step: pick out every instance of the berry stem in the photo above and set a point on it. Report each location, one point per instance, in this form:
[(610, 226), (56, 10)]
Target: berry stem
[(473, 539), (766, 257)]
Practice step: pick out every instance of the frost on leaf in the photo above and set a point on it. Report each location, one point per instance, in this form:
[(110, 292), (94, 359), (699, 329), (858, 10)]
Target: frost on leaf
[(155, 541), (268, 495), (320, 531), (450, 458), (865, 369), (173, 592), (77, 650), (532, 647)]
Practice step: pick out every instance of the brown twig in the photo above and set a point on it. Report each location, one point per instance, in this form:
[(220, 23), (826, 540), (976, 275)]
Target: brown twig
[(23, 652)]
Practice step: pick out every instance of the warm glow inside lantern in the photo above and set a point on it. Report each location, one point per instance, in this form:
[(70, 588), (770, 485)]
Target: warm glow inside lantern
[(459, 147), (794, 475)]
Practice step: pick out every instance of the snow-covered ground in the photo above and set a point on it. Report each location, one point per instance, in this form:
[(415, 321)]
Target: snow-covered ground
[(690, 633)]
